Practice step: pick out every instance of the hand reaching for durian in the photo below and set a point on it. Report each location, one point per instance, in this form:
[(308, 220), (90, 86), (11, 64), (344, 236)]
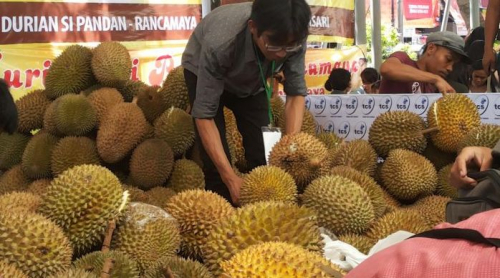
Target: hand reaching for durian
[(234, 185), (443, 87), (469, 156)]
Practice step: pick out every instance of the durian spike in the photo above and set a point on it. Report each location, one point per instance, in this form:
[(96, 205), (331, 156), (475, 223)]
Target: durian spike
[(106, 268), (168, 273), (429, 130), (224, 275), (330, 271), (109, 234)]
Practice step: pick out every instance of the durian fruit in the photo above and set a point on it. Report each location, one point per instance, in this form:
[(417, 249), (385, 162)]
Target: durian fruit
[(146, 234), (151, 163), (151, 103), (432, 209), (234, 140), (123, 266), (485, 135), (159, 196), (174, 91), (279, 259), (30, 109), (36, 161), (81, 201), (357, 154), (176, 127), (49, 119), (70, 72), (367, 183), (10, 271), (120, 131), (331, 141), (130, 88), (72, 151), (399, 220), (12, 148), (268, 183), (196, 219), (33, 244), (302, 156), (391, 203), (455, 115), (111, 63), (397, 130), (74, 273), (257, 223), (360, 242), (278, 109), (179, 267), (308, 123), (438, 158), (92, 89), (186, 175), (74, 115), (103, 99), (341, 204), (444, 188), (19, 202), (14, 180), (408, 176), (39, 187), (136, 194)]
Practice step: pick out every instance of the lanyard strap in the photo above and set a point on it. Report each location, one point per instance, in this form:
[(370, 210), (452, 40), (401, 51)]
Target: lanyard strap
[(269, 88)]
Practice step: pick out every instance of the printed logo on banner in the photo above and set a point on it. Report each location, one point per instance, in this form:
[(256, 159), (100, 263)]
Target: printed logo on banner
[(368, 105), (318, 105), (385, 104), (403, 103), (496, 106), (482, 103), (360, 130), (421, 105), (351, 105), (335, 104), (308, 103), (344, 129), (329, 126)]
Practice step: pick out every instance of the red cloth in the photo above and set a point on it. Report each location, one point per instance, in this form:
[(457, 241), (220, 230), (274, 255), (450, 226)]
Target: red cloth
[(433, 258), (410, 87)]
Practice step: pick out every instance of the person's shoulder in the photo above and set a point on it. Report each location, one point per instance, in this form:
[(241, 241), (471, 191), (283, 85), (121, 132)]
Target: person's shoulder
[(401, 55)]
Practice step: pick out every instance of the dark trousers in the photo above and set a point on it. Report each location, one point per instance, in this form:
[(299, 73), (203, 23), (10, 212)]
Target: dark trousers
[(251, 115)]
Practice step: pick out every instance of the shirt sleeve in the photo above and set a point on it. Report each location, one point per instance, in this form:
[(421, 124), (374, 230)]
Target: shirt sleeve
[(294, 71), (401, 56), (210, 84)]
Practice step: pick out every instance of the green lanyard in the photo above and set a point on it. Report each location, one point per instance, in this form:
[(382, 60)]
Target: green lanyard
[(269, 88)]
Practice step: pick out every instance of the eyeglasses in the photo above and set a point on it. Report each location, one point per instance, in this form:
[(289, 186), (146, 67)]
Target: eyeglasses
[(288, 49)]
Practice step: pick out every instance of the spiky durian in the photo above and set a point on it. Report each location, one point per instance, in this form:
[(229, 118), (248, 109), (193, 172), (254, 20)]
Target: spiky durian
[(72, 151), (186, 175), (176, 127), (31, 109), (12, 148), (111, 63), (268, 183)]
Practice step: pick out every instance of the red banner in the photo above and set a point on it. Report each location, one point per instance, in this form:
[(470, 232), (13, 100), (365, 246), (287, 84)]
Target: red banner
[(41, 22)]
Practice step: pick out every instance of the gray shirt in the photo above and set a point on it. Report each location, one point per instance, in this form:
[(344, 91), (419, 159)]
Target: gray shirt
[(221, 53)]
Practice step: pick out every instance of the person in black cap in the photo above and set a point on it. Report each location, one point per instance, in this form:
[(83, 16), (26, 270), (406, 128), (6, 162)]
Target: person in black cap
[(402, 75), (8, 110)]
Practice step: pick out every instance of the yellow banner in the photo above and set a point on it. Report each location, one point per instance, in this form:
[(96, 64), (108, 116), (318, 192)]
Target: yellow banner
[(25, 66), (348, 5), (320, 62)]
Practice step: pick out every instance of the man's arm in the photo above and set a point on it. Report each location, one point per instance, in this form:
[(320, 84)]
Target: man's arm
[(209, 88), (490, 31), (393, 69), (295, 89)]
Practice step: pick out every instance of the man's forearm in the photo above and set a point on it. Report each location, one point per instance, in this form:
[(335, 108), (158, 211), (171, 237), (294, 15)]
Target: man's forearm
[(491, 23), (401, 72), (294, 114), (212, 143)]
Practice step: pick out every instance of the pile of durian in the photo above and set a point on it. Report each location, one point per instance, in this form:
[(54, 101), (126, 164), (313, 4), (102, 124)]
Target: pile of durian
[(103, 179)]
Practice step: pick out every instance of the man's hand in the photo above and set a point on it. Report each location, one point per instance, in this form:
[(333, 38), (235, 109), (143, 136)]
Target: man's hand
[(234, 184), (444, 87), (489, 60), (469, 156)]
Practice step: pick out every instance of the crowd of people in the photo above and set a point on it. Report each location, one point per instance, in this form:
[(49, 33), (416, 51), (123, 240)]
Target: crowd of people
[(447, 63)]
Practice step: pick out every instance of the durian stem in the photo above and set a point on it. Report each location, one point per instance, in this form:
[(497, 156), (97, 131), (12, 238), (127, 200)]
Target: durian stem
[(109, 234), (106, 269), (168, 273), (429, 130), (330, 271)]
